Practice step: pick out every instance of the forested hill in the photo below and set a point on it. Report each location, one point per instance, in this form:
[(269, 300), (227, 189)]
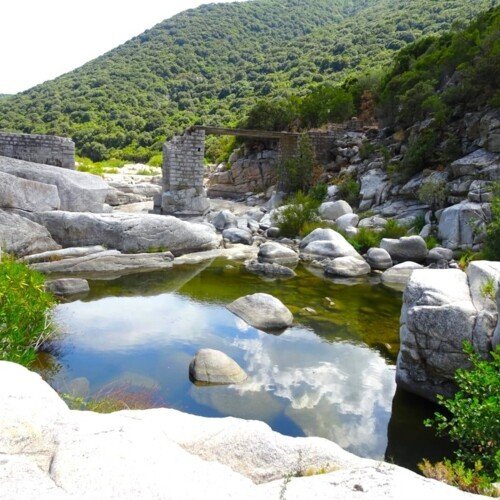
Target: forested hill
[(211, 63)]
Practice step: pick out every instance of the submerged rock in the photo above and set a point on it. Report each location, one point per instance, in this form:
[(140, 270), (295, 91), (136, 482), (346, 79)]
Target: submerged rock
[(270, 270), (400, 274), (215, 367), (68, 286), (262, 311)]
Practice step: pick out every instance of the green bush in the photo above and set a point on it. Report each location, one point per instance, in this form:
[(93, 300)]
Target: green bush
[(319, 192), (156, 160), (431, 242), (25, 309), (472, 420), (491, 248), (366, 150), (348, 190), (299, 211), (433, 193), (393, 229), (296, 174), (365, 239), (419, 154)]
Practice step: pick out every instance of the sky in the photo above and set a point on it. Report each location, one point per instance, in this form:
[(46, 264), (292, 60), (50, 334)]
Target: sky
[(42, 39)]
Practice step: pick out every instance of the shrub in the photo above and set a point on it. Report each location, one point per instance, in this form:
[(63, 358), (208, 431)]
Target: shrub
[(364, 239), (433, 193), (156, 160), (296, 174), (25, 309), (271, 114), (310, 226), (466, 257), (319, 192), (366, 150), (393, 229), (431, 242), (300, 210), (419, 154), (491, 248), (348, 190), (472, 421)]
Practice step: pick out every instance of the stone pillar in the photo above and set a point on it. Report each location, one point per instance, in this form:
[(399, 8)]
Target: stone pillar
[(183, 172)]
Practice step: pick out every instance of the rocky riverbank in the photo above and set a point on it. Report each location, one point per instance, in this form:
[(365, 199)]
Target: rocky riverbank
[(49, 451)]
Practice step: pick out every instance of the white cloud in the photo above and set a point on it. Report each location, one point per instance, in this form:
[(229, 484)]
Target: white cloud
[(41, 40)]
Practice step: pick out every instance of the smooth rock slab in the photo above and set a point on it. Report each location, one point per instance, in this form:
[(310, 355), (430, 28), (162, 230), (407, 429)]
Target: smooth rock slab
[(215, 367), (27, 195), (128, 232), (111, 262), (68, 286), (21, 236), (78, 191), (326, 243), (347, 220), (273, 252), (348, 267), (262, 311), (64, 253)]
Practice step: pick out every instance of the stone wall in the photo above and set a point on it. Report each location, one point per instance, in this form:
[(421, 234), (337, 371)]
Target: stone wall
[(46, 149), (183, 172)]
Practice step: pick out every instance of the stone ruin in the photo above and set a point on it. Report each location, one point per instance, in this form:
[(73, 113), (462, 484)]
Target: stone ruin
[(184, 192)]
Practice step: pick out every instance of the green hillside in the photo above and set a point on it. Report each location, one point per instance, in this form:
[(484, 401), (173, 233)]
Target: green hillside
[(210, 65)]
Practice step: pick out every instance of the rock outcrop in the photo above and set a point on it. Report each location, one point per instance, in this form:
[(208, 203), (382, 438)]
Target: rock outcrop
[(51, 452), (441, 310), (127, 232), (68, 286), (78, 191), (276, 253), (21, 236)]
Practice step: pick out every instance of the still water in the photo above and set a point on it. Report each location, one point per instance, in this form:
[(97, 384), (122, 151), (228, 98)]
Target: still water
[(330, 375)]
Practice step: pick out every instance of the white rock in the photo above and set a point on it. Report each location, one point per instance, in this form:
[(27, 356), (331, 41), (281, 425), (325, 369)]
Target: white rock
[(400, 273), (437, 317), (64, 253), (379, 259), (374, 222), (215, 367), (128, 232), (262, 311), (27, 195), (332, 210), (347, 267), (406, 248), (78, 191), (273, 252), (21, 237), (237, 235), (223, 220), (374, 186), (347, 220), (326, 243)]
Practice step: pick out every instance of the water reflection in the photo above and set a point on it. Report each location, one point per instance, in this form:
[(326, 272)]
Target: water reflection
[(327, 376)]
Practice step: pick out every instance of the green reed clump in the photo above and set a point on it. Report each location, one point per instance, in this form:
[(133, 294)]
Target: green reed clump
[(25, 309)]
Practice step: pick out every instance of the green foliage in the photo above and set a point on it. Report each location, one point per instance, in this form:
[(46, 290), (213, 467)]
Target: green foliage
[(125, 103), (25, 309), (218, 149), (420, 153), (491, 248), (473, 419), (433, 193), (110, 166), (366, 150), (365, 239), (299, 211), (156, 160), (458, 475), (466, 257), (318, 192), (348, 190), (431, 242), (310, 226), (296, 174), (271, 114), (393, 229), (488, 289)]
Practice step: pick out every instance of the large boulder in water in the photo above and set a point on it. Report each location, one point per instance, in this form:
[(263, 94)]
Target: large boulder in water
[(262, 311), (78, 191), (347, 267), (326, 244), (27, 195), (215, 367), (128, 232), (21, 236), (276, 253)]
